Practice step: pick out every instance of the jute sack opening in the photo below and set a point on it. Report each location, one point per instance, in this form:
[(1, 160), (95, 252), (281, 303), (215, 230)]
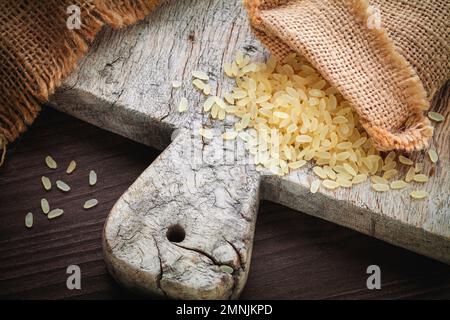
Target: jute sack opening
[(388, 72), (37, 50)]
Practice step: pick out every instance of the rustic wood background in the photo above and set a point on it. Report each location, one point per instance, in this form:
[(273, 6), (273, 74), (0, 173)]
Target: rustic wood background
[(295, 256)]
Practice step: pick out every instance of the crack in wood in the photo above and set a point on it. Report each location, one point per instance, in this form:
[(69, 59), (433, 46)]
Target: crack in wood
[(161, 272)]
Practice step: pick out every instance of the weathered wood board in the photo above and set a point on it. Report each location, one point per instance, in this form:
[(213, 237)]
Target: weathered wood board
[(191, 215)]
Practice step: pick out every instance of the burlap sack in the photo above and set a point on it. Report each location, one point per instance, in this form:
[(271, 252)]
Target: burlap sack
[(389, 72), (37, 50)]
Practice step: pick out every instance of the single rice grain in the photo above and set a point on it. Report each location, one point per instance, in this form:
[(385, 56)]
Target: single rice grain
[(46, 183), (71, 168), (330, 184), (419, 194), (61, 185), (315, 185), (55, 213), (45, 206), (200, 75), (176, 84), (51, 163), (90, 203), (183, 105), (405, 160), (92, 178), (420, 178), (29, 220), (433, 155), (380, 187), (435, 116), (398, 184)]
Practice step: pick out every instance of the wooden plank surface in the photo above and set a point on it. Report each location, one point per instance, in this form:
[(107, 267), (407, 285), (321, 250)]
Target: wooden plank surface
[(295, 256)]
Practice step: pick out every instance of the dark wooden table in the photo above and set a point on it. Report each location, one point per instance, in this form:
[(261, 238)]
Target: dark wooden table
[(295, 256)]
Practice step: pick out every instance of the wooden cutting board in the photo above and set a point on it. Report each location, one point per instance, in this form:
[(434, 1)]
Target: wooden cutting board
[(185, 228)]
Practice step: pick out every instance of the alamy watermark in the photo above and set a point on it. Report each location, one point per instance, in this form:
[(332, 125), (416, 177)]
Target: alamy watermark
[(74, 19), (374, 280), (374, 19), (74, 279)]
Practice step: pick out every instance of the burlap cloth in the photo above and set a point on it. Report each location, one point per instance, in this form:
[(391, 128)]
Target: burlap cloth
[(37, 50), (388, 74)]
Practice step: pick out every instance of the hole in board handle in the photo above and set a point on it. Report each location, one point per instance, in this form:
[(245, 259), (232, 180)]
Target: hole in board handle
[(175, 233)]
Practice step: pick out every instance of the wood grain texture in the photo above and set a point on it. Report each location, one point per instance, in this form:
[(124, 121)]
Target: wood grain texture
[(124, 85), (212, 207), (295, 256)]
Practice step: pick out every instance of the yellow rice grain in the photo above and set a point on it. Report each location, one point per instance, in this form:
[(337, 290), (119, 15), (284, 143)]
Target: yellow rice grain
[(378, 180), (200, 75), (183, 105), (405, 160), (433, 155), (380, 187), (419, 194), (330, 184), (420, 178), (435, 116), (410, 174), (320, 172), (315, 185), (398, 184), (359, 178)]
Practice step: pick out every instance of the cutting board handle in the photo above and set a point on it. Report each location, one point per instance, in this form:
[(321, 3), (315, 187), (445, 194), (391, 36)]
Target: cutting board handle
[(185, 228)]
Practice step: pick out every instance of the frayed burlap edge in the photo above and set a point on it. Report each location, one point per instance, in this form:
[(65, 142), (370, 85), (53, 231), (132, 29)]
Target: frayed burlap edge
[(412, 138), (416, 136), (26, 109)]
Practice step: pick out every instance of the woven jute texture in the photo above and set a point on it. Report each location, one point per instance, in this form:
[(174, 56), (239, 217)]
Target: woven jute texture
[(389, 72), (37, 50)]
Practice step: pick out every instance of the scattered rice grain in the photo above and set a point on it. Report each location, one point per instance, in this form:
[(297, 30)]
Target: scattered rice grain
[(229, 135), (51, 163), (207, 89), (45, 206), (418, 167), (378, 180), (72, 166), (183, 105), (350, 169), (433, 155), (226, 269), (176, 84), (90, 203), (46, 183), (330, 184), (297, 164), (320, 172), (398, 184), (199, 84), (29, 220), (410, 174), (435, 116), (200, 75), (55, 213), (92, 178), (359, 178), (419, 194), (405, 160), (390, 174), (344, 182), (61, 185), (380, 187), (205, 133), (420, 178), (315, 185)]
